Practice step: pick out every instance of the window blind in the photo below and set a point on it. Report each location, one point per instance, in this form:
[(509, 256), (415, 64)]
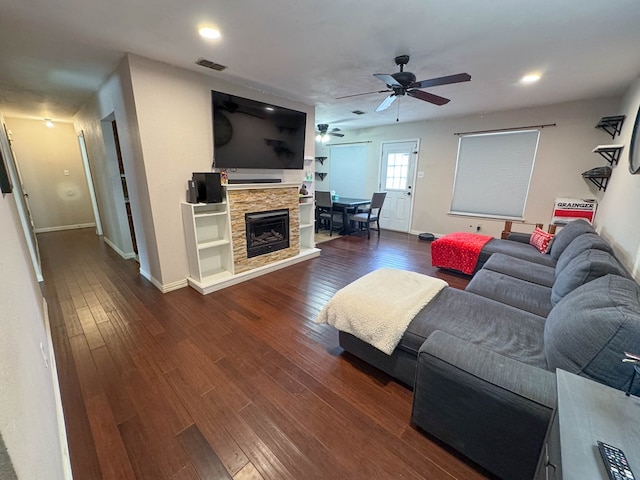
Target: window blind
[(493, 173), (348, 167)]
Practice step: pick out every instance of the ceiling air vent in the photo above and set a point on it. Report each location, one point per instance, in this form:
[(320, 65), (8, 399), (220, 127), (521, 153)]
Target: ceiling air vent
[(358, 112), (203, 62)]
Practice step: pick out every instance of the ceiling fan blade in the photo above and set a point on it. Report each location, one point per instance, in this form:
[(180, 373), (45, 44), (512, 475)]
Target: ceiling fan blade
[(386, 102), (428, 97), (366, 93), (334, 134), (434, 82), (388, 79)]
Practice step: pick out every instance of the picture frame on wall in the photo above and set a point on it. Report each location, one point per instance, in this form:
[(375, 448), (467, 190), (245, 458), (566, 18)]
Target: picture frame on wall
[(5, 180)]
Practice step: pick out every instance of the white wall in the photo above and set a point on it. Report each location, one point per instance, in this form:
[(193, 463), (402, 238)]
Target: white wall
[(28, 420), (114, 101), (617, 217), (57, 201), (174, 118), (564, 152)]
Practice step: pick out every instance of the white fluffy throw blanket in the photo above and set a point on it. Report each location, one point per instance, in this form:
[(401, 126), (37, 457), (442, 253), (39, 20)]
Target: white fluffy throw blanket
[(378, 307)]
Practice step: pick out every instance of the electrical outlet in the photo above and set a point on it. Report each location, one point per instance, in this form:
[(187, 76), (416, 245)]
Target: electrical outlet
[(66, 173)]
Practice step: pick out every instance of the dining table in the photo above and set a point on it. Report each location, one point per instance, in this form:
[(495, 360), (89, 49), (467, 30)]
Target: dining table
[(348, 205)]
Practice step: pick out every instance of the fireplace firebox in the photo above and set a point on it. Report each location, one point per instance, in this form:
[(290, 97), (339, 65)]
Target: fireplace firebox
[(266, 231)]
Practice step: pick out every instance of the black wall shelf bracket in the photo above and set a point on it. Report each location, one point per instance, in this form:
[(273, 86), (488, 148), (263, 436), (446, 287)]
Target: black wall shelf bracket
[(599, 176), (612, 125), (321, 175), (601, 183), (321, 160), (611, 153)]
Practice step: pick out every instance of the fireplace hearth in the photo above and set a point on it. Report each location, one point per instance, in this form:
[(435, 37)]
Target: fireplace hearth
[(266, 231)]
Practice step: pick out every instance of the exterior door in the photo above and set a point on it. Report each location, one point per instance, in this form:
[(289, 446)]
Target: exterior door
[(398, 169)]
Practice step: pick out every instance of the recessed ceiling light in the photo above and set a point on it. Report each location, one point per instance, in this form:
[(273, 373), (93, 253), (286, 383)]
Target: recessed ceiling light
[(208, 32), (271, 109), (530, 78), (48, 122)]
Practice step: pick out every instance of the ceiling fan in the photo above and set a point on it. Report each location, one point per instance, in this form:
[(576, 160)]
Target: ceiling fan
[(404, 83), (323, 132)]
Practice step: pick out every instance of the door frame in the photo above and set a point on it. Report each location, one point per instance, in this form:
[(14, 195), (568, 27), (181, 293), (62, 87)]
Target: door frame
[(415, 172), (21, 202), (87, 171)]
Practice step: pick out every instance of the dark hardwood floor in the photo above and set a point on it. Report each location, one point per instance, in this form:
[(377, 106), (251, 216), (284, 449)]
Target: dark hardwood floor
[(237, 384)]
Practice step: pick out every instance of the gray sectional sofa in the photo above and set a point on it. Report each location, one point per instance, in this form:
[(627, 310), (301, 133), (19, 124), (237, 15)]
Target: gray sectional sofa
[(482, 361)]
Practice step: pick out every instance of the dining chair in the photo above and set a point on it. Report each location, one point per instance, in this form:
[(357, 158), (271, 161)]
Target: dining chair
[(371, 214), (324, 210)]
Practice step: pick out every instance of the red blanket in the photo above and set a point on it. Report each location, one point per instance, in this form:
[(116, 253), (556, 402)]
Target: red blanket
[(458, 251)]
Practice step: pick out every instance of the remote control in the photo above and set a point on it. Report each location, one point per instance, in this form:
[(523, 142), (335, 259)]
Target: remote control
[(615, 462)]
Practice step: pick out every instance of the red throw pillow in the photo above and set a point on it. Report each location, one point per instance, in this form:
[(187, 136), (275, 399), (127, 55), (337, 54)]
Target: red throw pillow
[(541, 240)]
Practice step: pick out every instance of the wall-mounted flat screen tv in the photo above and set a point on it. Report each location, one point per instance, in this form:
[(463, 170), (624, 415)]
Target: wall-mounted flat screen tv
[(252, 134)]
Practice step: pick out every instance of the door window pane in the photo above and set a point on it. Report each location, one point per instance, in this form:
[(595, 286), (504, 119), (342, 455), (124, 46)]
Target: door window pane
[(397, 171)]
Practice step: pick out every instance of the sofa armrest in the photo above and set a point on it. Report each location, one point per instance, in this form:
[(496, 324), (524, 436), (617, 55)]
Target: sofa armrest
[(519, 237), (491, 408)]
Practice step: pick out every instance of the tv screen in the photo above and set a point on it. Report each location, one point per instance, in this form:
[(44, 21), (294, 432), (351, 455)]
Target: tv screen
[(252, 134)]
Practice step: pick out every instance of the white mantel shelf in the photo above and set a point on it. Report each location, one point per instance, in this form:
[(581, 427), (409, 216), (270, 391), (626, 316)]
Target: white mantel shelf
[(260, 186)]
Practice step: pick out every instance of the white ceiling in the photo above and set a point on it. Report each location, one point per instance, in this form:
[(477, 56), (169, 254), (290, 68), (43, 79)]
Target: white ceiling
[(54, 53)]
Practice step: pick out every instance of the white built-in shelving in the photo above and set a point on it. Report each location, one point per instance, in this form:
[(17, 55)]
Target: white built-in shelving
[(307, 230), (209, 243), (207, 233)]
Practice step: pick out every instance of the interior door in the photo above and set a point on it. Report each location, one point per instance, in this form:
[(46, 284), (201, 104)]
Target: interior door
[(398, 169)]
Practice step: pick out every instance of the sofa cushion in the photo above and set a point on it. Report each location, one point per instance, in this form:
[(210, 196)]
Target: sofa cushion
[(579, 245), (515, 249), (501, 328), (522, 269), (587, 266), (567, 234), (589, 330), (541, 240), (520, 294)]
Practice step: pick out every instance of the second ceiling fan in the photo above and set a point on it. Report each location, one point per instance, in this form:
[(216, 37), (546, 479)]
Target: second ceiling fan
[(404, 83), (324, 132)]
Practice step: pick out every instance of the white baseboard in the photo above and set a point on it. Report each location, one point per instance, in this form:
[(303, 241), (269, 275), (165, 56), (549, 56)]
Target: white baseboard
[(167, 287), (228, 280), (64, 227), (170, 287), (115, 248), (436, 235), (62, 430)]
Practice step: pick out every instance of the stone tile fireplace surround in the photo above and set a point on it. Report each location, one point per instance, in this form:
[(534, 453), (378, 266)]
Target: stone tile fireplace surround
[(253, 200)]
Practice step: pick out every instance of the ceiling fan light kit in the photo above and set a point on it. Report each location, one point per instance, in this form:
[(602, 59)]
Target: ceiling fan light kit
[(324, 135), (404, 83)]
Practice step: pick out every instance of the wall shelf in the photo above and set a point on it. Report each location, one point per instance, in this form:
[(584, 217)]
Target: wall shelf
[(611, 153), (321, 175), (612, 125), (599, 176), (321, 160)]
